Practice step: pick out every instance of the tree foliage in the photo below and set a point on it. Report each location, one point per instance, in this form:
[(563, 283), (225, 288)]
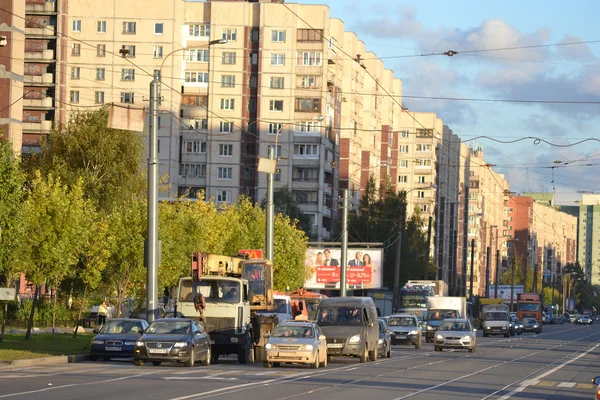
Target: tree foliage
[(284, 203)]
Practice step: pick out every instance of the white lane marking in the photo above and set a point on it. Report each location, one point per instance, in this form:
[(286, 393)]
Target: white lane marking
[(220, 372), (524, 385), (566, 384), (181, 378), (267, 373)]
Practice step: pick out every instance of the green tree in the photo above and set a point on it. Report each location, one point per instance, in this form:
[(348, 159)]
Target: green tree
[(284, 203), (56, 224)]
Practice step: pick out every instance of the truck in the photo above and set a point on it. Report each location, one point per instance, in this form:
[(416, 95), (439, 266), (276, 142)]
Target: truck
[(495, 320), (483, 301), (311, 301), (414, 294), (237, 291), (283, 308), (440, 308), (529, 305)]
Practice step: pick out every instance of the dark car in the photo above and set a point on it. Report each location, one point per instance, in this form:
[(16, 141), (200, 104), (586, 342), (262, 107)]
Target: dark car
[(116, 338), (405, 330), (171, 314), (531, 325), (516, 325), (173, 339), (384, 345)]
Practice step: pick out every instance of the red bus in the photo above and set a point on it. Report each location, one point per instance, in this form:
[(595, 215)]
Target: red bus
[(529, 306)]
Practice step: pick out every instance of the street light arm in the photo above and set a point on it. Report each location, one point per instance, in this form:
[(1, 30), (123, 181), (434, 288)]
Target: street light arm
[(217, 41)]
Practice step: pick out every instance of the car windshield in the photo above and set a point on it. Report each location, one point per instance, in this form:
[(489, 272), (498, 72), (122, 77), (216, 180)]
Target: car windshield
[(402, 321), (169, 328), (530, 321), (339, 316), (293, 331), (122, 327), (453, 326)]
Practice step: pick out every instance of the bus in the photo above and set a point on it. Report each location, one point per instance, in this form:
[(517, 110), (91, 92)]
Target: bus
[(529, 305), (413, 299)]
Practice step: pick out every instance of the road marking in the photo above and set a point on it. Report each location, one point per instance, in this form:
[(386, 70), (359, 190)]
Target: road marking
[(546, 383), (182, 378), (566, 384), (268, 373), (585, 385)]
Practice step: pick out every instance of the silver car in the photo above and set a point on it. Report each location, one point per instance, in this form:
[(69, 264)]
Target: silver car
[(454, 333), (298, 342)]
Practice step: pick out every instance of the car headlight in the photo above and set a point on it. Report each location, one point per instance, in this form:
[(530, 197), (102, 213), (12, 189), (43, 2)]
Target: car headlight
[(413, 332), (129, 343), (467, 338), (268, 346), (429, 327), (354, 339), (535, 326), (97, 341), (308, 347), (140, 344), (488, 327), (510, 325), (380, 341), (180, 344), (439, 337)]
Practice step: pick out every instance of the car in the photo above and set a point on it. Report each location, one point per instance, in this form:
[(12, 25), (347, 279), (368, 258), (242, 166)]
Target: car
[(573, 318), (173, 339), (171, 314), (140, 312), (455, 333), (116, 338), (586, 320), (405, 330), (531, 325), (558, 319), (384, 345), (596, 381), (516, 326), (297, 342)]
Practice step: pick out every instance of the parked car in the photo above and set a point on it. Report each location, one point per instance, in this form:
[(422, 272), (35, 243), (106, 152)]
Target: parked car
[(405, 329), (454, 333), (384, 345), (531, 325), (173, 339), (116, 338), (586, 320), (298, 342), (516, 326)]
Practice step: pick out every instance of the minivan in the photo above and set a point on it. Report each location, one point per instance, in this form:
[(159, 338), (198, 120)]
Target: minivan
[(351, 327)]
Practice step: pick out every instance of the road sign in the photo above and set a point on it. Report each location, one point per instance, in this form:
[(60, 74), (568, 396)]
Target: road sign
[(547, 274), (8, 294), (253, 253)]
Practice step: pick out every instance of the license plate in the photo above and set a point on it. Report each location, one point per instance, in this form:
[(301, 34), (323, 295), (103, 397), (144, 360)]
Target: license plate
[(400, 337), (212, 342), (112, 348), (335, 345), (158, 351)]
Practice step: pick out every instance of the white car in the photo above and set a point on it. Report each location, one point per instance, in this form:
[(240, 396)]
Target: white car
[(454, 333)]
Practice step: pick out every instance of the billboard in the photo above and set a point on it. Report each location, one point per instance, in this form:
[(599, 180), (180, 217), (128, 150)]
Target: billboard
[(364, 269), (504, 292)]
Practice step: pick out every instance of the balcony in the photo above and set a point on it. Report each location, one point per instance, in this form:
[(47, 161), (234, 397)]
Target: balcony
[(34, 127), (44, 79), (330, 78), (47, 55), (325, 234), (44, 8), (45, 103), (40, 31)]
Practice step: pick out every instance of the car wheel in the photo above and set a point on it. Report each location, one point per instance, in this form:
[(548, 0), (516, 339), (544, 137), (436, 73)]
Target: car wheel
[(329, 358), (192, 360), (389, 353), (267, 364), (214, 356), (138, 363), (324, 363), (156, 363), (373, 355), (365, 355), (206, 361), (315, 365)]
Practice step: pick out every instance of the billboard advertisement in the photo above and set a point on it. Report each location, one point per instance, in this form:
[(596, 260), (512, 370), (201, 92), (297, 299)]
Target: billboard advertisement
[(364, 269), (504, 292)]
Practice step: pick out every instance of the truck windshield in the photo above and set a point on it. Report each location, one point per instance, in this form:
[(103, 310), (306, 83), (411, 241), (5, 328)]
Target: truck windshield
[(213, 291), (339, 316), (495, 316), (529, 307), (281, 306), (413, 300)]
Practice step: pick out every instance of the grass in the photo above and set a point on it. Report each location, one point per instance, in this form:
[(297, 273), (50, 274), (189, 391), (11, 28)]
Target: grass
[(15, 347)]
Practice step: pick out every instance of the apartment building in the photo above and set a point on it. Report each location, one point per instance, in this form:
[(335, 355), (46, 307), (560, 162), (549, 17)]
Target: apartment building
[(588, 251), (464, 256)]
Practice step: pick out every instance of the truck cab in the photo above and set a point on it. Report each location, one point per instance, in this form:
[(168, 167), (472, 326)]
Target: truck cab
[(283, 308), (495, 320)]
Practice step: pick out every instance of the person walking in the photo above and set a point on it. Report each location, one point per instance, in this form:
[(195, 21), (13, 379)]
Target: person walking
[(102, 313)]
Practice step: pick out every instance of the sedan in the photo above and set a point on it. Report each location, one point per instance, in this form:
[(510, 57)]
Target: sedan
[(454, 333), (296, 342), (173, 339), (384, 344), (116, 338), (531, 325), (517, 327), (586, 320), (596, 381)]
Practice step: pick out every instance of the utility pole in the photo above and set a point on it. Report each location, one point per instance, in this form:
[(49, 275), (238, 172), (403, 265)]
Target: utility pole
[(552, 293), (270, 209), (472, 267), (398, 255), (535, 278), (512, 288), (152, 238), (427, 249), (344, 257), (487, 272), (497, 274)]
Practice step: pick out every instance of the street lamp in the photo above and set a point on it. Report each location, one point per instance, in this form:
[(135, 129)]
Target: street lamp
[(512, 285), (152, 244)]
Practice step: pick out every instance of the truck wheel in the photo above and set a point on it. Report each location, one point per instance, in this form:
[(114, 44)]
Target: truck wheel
[(244, 354), (267, 364), (259, 353), (138, 363), (373, 355), (214, 357), (365, 356)]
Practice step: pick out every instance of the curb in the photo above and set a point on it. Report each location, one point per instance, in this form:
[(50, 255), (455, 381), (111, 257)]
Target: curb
[(47, 361)]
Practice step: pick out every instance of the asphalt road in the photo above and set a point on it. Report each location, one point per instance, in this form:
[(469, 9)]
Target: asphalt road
[(557, 364)]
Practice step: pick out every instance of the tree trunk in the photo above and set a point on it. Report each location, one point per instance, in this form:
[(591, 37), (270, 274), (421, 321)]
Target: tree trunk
[(4, 320), (80, 312), (33, 305), (54, 311)]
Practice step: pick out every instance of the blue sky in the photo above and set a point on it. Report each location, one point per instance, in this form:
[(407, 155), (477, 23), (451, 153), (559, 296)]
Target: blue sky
[(566, 73)]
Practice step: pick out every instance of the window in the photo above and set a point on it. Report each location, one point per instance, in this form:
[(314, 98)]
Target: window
[(226, 150), (129, 50), (421, 133), (127, 97), (101, 27), (100, 73), (224, 173), (76, 25), (308, 150), (254, 35), (74, 96), (277, 177), (253, 81), (403, 164), (423, 147), (196, 77), (129, 28), (276, 82), (403, 149), (422, 163), (227, 104), (251, 108), (403, 134), (425, 208), (305, 197), (157, 52), (229, 34), (307, 126), (127, 74), (421, 179), (309, 58), (402, 179), (159, 28), (197, 55), (101, 50), (278, 36), (305, 174), (253, 58), (192, 170), (228, 57), (75, 49), (226, 127), (277, 59), (99, 97), (308, 81), (75, 72), (228, 81), (276, 105), (303, 104), (277, 150), (224, 196), (194, 147), (199, 30), (420, 194), (200, 124), (274, 128), (310, 35)]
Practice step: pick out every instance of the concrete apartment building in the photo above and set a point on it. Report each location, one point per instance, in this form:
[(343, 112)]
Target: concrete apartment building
[(588, 251)]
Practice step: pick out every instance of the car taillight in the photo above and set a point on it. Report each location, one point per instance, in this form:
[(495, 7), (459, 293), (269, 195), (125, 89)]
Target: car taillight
[(598, 393)]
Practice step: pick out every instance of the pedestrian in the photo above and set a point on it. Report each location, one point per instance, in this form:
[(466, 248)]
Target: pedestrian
[(200, 306), (102, 312)]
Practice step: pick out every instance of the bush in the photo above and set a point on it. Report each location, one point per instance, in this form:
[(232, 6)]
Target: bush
[(43, 313)]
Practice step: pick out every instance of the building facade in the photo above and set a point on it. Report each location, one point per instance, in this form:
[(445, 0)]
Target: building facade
[(588, 252)]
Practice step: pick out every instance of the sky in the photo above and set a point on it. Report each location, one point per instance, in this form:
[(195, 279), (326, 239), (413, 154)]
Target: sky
[(554, 69)]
